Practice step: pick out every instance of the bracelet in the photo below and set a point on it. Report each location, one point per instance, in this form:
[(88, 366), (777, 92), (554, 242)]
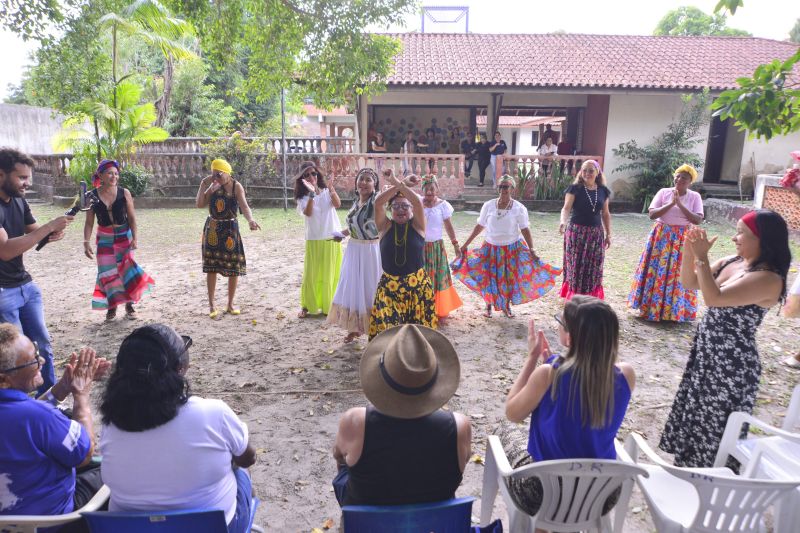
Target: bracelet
[(312, 194), (699, 262)]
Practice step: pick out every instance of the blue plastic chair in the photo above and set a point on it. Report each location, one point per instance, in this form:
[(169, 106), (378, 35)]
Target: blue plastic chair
[(450, 516), (194, 520)]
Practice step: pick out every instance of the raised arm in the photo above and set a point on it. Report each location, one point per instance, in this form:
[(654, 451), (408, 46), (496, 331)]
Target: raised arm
[(207, 186), (531, 384), (13, 247)]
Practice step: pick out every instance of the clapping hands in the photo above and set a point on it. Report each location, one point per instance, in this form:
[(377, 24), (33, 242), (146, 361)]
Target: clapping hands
[(538, 347), (82, 369), (699, 241)]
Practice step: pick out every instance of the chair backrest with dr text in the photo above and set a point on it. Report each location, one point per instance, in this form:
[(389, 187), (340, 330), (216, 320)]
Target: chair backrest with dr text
[(450, 516), (196, 521), (574, 491)]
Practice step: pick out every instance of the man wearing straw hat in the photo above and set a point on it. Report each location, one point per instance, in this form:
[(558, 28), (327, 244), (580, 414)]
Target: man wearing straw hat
[(403, 448)]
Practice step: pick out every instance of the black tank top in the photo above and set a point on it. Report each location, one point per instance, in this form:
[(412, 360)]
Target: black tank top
[(402, 250), (119, 209), (406, 461)]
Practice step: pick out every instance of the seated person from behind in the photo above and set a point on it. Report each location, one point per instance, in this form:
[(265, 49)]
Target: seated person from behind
[(559, 429), (403, 448), (40, 448), (164, 449)]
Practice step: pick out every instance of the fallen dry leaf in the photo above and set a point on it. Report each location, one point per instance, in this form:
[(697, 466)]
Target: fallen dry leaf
[(328, 523), (477, 459)]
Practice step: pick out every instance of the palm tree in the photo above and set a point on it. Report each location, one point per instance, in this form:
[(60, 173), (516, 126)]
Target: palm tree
[(152, 22)]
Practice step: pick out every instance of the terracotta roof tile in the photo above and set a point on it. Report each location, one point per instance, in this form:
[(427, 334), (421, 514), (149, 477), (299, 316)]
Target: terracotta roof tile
[(582, 61)]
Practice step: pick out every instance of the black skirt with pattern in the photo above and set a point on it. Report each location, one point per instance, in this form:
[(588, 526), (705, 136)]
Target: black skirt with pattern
[(222, 248)]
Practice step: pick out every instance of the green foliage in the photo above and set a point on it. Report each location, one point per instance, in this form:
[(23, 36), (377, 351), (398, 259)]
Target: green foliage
[(31, 19), (121, 124), (194, 111), (551, 187), (729, 5), (764, 104), (248, 158), (320, 44), (652, 166), (135, 179), (84, 162), (692, 21)]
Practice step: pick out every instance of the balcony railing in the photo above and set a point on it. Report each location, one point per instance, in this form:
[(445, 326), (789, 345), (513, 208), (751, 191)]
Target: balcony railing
[(294, 145)]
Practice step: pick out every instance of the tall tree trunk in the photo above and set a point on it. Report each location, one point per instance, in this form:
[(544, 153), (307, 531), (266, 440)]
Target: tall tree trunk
[(162, 104)]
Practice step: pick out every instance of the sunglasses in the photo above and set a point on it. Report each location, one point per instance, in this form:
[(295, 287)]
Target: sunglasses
[(37, 360), (503, 187), (560, 320)]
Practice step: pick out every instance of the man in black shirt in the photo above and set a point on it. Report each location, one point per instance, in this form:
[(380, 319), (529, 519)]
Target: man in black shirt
[(470, 150), (20, 297)]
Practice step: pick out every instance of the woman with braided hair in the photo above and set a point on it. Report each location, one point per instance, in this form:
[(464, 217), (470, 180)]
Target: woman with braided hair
[(437, 217)]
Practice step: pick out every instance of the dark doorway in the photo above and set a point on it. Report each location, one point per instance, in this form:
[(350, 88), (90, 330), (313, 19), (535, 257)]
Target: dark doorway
[(715, 152)]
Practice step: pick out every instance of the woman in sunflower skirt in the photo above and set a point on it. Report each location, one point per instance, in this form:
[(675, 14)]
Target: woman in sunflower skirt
[(437, 217), (505, 270), (657, 291), (317, 200), (119, 279), (222, 247), (405, 293)]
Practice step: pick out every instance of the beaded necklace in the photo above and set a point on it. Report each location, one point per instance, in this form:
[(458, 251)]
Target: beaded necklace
[(401, 241), (596, 195), (504, 210)]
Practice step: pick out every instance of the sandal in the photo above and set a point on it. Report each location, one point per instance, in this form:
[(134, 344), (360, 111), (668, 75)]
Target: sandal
[(488, 312), (791, 362), (111, 313), (130, 312), (213, 314), (353, 335), (508, 313), (234, 312), (303, 313)]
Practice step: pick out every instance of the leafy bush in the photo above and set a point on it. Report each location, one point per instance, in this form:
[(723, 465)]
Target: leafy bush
[(551, 187), (248, 158), (652, 165), (135, 179)]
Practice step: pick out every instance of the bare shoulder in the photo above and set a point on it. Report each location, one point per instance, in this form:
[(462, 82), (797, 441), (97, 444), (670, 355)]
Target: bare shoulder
[(629, 373), (353, 419)]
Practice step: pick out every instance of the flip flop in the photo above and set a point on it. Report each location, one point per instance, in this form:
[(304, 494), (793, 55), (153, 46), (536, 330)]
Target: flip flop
[(351, 337), (213, 314), (234, 312), (488, 312), (508, 312)]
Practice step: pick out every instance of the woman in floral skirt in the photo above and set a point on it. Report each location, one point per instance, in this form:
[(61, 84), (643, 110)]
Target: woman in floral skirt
[(657, 291), (437, 218), (587, 234), (505, 270)]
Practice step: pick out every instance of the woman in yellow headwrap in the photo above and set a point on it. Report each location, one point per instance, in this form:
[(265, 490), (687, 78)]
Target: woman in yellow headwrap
[(223, 251), (657, 291)]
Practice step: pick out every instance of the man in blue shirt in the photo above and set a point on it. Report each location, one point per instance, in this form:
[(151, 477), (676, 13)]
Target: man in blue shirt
[(40, 448), (20, 297)]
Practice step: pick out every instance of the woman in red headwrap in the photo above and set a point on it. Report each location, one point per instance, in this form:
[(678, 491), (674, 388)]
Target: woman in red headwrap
[(119, 279), (724, 369)]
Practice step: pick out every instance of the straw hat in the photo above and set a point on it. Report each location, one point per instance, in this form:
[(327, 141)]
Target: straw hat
[(409, 371)]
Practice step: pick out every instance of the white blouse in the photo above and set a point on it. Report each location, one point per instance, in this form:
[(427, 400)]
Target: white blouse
[(502, 226), (323, 220), (434, 220)]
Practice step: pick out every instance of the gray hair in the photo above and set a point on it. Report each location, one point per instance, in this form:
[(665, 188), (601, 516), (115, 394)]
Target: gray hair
[(8, 354)]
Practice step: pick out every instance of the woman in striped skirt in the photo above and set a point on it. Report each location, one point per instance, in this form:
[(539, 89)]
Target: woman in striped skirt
[(437, 218), (119, 279)]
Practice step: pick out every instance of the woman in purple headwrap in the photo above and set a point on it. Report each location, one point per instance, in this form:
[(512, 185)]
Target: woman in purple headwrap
[(119, 279)]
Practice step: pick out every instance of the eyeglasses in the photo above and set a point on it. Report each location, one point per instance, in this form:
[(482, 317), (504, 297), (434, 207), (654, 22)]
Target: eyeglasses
[(187, 342), (36, 361), (560, 320)]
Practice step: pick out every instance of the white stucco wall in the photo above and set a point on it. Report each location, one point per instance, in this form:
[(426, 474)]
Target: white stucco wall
[(770, 156), (27, 128), (640, 117)]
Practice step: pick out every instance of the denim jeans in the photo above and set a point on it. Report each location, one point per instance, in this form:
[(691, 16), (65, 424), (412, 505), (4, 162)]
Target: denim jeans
[(244, 497), (22, 306)]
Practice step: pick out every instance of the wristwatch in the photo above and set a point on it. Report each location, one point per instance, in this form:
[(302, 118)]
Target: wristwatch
[(312, 194)]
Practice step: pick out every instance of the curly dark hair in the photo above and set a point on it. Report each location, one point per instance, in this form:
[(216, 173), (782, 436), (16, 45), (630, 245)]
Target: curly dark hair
[(299, 189), (774, 242), (9, 157), (147, 387)]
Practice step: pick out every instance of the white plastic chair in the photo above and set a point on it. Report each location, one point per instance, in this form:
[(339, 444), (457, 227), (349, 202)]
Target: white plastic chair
[(703, 500), (32, 523), (574, 492)]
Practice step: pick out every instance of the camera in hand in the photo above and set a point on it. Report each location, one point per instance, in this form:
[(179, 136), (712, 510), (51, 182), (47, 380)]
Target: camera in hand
[(83, 202)]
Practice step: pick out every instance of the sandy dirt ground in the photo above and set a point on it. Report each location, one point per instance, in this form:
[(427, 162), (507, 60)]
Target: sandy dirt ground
[(290, 379)]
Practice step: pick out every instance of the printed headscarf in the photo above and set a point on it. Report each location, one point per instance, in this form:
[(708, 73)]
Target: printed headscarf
[(104, 165)]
